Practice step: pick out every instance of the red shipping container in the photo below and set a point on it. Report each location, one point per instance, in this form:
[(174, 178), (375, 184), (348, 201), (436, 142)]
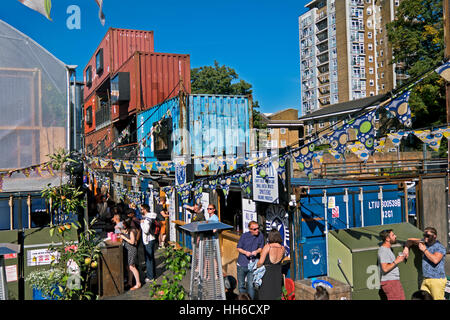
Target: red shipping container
[(117, 46), (96, 143), (153, 77)]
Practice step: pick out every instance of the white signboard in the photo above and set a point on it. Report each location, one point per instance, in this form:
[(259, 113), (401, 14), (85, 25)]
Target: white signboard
[(248, 213), (41, 257), (11, 273), (172, 217), (265, 188), (151, 200), (205, 202)]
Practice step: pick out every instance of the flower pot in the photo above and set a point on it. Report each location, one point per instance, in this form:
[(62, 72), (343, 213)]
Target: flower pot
[(37, 294)]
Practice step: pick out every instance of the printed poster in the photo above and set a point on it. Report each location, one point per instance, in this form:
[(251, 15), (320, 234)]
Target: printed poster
[(248, 213), (265, 188)]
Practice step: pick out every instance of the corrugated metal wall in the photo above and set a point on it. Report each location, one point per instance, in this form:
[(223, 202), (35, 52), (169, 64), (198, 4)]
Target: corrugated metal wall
[(118, 46), (217, 125)]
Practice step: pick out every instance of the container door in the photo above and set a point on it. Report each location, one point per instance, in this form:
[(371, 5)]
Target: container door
[(5, 216), (314, 258)]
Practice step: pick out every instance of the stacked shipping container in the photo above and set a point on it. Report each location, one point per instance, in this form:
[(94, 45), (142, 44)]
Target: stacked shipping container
[(117, 46), (153, 78), (125, 76)]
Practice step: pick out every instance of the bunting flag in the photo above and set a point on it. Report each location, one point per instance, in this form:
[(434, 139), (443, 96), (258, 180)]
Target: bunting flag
[(225, 184), (338, 140), (166, 166), (304, 157), (49, 168), (399, 107), (359, 150), (198, 193), (205, 164), (148, 167), (444, 71), (221, 162), (318, 156), (280, 166), (117, 164), (168, 191), (185, 191), (431, 139), (231, 163), (244, 181), (44, 7), (397, 137), (101, 16), (127, 165), (103, 163), (445, 132), (335, 154), (136, 166), (365, 130), (213, 184), (380, 145)]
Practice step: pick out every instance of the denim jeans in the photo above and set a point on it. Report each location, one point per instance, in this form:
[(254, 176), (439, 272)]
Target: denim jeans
[(150, 259), (242, 272)]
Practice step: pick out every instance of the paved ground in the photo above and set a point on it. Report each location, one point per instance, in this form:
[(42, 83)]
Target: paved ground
[(143, 292)]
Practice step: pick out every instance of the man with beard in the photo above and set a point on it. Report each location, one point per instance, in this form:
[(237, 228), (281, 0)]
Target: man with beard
[(433, 268), (390, 274)]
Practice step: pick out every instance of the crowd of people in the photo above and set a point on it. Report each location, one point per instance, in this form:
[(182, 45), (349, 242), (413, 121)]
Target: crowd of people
[(259, 262), (132, 224)]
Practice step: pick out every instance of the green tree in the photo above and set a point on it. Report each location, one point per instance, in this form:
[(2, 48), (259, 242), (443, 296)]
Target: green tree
[(223, 80), (417, 39)]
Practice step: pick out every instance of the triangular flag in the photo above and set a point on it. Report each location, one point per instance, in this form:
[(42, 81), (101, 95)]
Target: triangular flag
[(148, 166), (136, 166), (117, 164), (399, 107), (103, 163), (304, 157), (42, 6), (359, 149), (396, 137), (127, 165), (444, 71), (431, 139), (380, 145)]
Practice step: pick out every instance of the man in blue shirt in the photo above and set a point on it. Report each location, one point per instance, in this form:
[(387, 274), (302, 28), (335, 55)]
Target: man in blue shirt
[(433, 264), (249, 246)]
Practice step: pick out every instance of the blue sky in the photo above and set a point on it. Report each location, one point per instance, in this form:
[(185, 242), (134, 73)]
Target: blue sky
[(258, 38)]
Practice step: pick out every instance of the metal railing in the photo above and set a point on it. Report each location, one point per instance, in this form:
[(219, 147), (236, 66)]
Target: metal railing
[(383, 168)]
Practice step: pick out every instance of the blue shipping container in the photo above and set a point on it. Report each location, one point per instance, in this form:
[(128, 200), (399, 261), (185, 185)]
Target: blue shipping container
[(214, 126), (348, 204)]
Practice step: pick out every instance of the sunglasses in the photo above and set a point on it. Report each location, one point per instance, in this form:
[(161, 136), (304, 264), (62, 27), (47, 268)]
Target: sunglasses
[(210, 208), (253, 229), (427, 235)]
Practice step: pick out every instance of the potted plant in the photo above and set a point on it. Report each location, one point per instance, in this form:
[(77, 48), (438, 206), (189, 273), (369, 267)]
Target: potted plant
[(45, 283), (78, 260)]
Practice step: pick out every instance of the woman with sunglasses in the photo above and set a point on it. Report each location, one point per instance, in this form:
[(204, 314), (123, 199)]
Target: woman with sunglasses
[(433, 268)]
